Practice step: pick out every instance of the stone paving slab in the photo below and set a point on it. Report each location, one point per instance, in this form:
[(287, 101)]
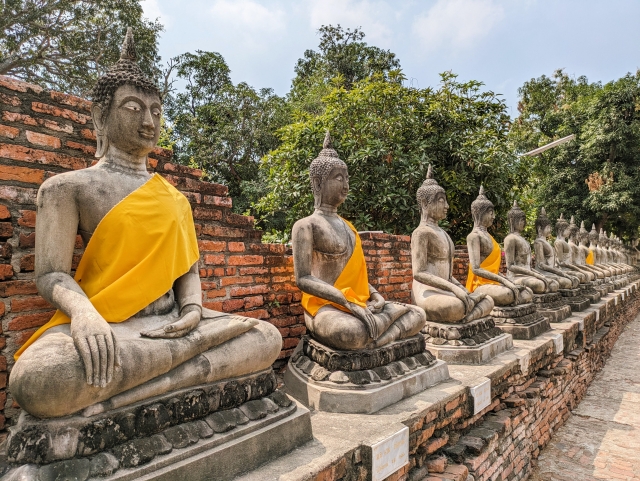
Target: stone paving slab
[(601, 440)]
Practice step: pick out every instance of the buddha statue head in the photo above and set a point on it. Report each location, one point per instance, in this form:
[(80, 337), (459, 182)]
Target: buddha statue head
[(562, 227), (517, 218), (543, 225), (432, 199), (583, 234), (126, 106), (329, 176), (573, 230), (593, 235), (482, 210)]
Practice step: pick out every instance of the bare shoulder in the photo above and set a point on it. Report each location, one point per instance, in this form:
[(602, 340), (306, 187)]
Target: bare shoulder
[(67, 184), (303, 226)]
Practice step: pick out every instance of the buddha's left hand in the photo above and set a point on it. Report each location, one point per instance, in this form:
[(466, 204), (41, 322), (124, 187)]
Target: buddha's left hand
[(375, 303), (183, 326)]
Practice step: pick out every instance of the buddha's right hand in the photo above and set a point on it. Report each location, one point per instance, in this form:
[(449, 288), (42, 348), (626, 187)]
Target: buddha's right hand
[(515, 290), (467, 300), (366, 316), (97, 346)]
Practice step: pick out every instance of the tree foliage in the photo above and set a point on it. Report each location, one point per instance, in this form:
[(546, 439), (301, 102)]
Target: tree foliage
[(67, 44), (387, 134), (597, 176), (220, 127), (342, 55)]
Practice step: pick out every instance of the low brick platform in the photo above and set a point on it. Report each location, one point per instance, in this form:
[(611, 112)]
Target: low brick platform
[(534, 387)]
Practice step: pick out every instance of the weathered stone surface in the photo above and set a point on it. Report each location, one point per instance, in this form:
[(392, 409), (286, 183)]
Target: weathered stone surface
[(254, 409), (471, 333), (336, 360), (280, 398), (182, 435), (220, 422), (41, 441), (134, 453), (68, 470), (160, 445), (103, 464)]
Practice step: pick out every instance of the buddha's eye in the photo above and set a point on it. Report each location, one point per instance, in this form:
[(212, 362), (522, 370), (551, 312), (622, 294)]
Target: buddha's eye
[(156, 112), (133, 106)]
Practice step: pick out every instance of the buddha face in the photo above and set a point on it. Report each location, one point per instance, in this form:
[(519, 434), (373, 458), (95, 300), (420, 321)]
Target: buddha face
[(487, 217), (335, 187), (437, 209), (132, 123), (545, 232), (519, 224)]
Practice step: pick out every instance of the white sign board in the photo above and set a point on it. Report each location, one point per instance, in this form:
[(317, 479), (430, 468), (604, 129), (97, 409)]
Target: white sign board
[(390, 455), (558, 342), (481, 394)]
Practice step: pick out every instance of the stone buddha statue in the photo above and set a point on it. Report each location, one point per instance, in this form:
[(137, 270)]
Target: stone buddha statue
[(564, 254), (341, 309), (130, 325), (518, 256), (616, 254), (485, 257), (596, 254), (606, 254), (546, 262), (435, 289), (584, 256)]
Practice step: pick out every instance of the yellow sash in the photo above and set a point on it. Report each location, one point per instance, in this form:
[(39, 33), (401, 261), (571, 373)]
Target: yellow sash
[(589, 259), (143, 244), (353, 282), (491, 263)]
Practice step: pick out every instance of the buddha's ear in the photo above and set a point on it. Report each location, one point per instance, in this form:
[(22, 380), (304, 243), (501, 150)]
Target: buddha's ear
[(98, 116)]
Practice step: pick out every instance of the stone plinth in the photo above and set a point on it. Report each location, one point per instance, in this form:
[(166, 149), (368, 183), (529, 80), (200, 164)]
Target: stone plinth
[(361, 382), (152, 436), (574, 299), (522, 322), (474, 342), (552, 306), (588, 290)]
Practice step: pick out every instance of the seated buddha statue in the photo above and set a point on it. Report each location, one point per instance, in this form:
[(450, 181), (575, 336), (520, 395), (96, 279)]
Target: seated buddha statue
[(595, 256), (585, 257), (518, 256), (434, 288), (577, 257), (130, 324), (606, 253), (616, 255), (341, 309), (564, 254), (546, 263), (485, 257)]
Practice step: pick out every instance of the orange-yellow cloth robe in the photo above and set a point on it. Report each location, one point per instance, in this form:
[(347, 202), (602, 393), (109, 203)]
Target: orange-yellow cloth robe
[(143, 244), (491, 263), (352, 281), (589, 259)]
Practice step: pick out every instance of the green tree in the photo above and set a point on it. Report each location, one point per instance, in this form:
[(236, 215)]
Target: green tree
[(388, 134), (597, 176), (67, 44), (343, 55), (220, 127)]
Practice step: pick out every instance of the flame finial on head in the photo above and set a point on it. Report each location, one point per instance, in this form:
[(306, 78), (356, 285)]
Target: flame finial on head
[(128, 50), (327, 144)]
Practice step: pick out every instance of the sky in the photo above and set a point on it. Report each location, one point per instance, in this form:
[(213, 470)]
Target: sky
[(502, 43)]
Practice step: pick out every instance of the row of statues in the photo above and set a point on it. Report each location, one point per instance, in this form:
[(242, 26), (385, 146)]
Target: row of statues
[(130, 324)]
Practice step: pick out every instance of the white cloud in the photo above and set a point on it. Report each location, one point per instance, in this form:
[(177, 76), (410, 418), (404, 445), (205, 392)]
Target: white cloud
[(457, 23), (152, 11), (355, 13), (247, 21)]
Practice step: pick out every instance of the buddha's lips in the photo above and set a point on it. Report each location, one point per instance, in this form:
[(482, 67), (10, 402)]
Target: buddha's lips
[(146, 135)]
